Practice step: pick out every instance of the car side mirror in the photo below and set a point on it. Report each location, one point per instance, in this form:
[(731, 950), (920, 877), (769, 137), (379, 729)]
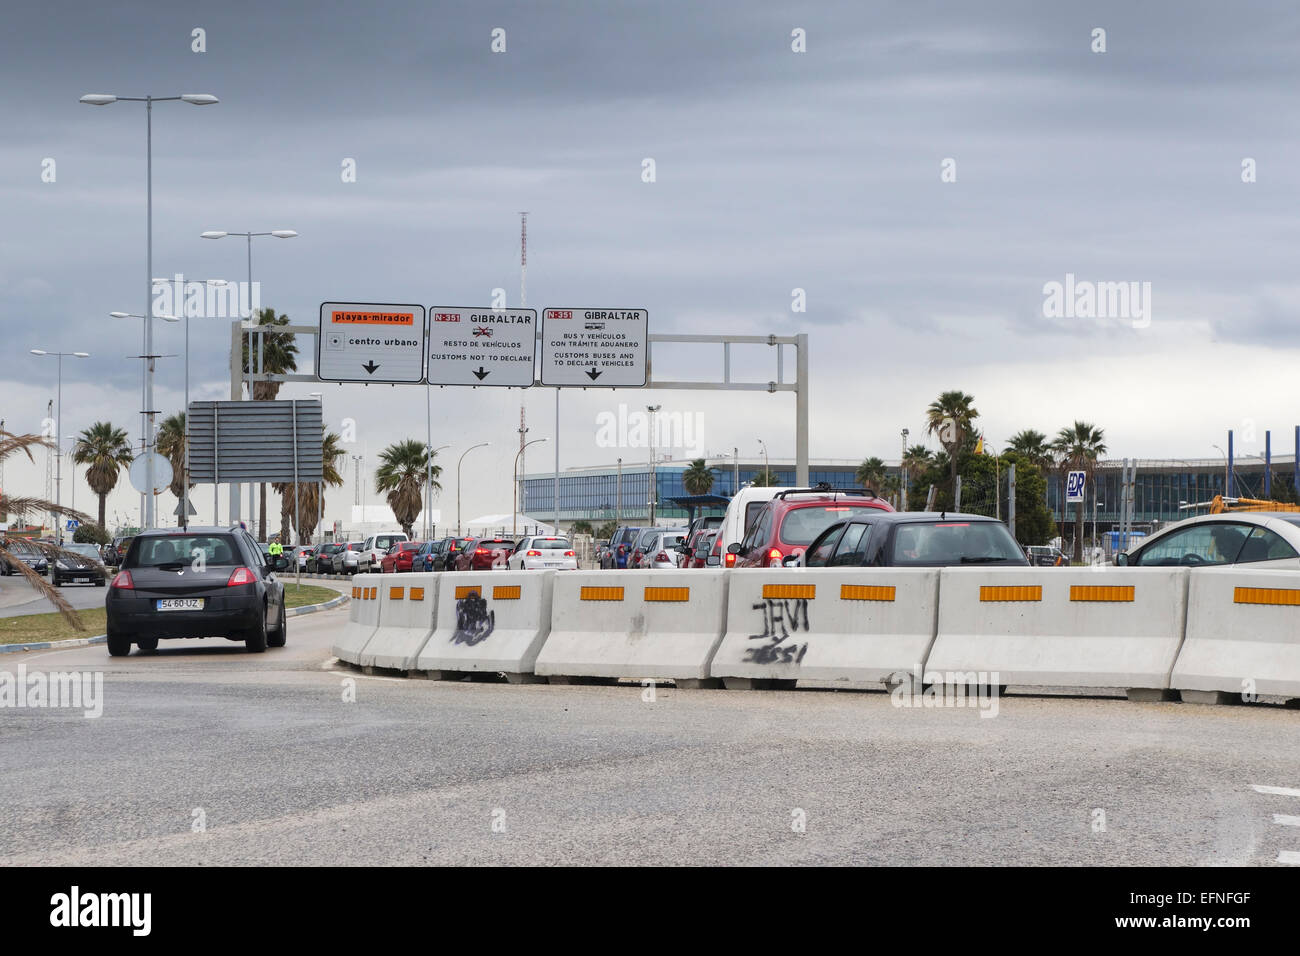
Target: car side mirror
[(791, 561), (733, 548), (1121, 559), (279, 563), (713, 561)]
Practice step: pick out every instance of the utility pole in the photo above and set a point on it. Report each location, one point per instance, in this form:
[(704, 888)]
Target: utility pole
[(902, 467), (654, 491)]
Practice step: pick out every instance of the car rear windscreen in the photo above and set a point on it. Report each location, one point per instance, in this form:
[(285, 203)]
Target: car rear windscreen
[(551, 544), (954, 542), (153, 552), (802, 525)]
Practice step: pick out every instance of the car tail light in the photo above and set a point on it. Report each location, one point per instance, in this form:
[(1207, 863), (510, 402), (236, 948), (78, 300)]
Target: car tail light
[(533, 554), (482, 551), (729, 559), (661, 556), (570, 554), (773, 557), (241, 576), (122, 581)]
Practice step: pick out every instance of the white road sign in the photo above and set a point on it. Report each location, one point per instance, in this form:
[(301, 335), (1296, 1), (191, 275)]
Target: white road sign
[(1074, 482), (481, 346), (594, 347), (370, 342)]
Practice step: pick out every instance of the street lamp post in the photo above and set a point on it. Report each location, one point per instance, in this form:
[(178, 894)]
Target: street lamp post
[(767, 472), (185, 478), (58, 440), (902, 470), (458, 464), (249, 236), (146, 418), (654, 436), (105, 99), (514, 522)]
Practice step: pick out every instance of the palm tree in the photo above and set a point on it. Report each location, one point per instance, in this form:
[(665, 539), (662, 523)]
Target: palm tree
[(1033, 445), (871, 473), (278, 357), (170, 443), (915, 460), (1079, 446), (698, 478), (402, 475), (310, 505), (949, 417), (106, 450), (20, 509), (766, 478)]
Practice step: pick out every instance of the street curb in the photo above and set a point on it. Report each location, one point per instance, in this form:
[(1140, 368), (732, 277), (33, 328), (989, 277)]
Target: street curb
[(102, 638)]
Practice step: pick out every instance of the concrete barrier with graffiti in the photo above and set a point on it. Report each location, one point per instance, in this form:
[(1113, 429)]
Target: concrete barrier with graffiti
[(639, 624), (363, 620), (407, 604), (489, 621), (862, 624)]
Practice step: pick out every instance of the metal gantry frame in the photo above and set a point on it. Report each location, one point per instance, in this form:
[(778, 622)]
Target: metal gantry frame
[(799, 385)]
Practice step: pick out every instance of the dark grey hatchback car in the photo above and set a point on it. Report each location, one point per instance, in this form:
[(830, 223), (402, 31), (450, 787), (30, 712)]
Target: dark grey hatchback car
[(912, 539), (196, 582)]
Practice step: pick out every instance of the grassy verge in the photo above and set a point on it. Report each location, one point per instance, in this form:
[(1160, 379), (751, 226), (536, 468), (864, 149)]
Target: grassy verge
[(33, 628)]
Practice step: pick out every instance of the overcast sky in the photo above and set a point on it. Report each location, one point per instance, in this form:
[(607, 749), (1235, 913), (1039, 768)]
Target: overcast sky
[(775, 171)]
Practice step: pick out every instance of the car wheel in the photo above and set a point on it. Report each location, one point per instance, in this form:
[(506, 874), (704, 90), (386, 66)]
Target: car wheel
[(277, 638), (148, 644), (256, 640), (119, 645)]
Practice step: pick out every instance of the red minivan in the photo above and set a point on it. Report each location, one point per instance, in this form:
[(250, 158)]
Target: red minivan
[(789, 522)]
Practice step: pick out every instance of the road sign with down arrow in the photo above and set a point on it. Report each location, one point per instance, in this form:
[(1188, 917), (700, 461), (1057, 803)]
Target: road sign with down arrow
[(481, 346), (373, 342), (601, 348)]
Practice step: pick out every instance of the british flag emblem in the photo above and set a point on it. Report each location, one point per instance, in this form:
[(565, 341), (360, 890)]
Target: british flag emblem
[(482, 330)]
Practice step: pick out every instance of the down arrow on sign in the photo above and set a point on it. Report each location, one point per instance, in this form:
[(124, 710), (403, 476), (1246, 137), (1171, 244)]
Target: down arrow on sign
[(480, 374), (370, 366)]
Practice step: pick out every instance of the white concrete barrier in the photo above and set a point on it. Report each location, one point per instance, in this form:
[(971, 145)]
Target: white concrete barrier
[(1113, 627), (363, 620), (851, 624), (489, 622), (647, 624), (407, 604), (1243, 635)]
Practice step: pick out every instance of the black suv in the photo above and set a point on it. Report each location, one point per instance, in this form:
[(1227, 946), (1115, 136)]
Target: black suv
[(199, 582)]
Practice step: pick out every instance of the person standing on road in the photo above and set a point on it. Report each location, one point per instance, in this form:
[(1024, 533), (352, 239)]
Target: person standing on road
[(275, 549)]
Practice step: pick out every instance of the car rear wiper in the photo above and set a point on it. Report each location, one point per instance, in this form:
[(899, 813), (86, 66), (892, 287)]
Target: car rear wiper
[(982, 560), (171, 565)]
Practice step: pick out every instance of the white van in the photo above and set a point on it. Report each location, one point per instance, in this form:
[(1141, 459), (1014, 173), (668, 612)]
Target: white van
[(741, 512), (375, 547)]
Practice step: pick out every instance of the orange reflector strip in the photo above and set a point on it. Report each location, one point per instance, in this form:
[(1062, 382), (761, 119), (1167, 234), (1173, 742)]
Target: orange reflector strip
[(790, 591), (396, 594), (667, 594), (356, 591), (1019, 592), (417, 594), (465, 590), (505, 592), (1285, 596), (370, 593), (601, 594), (867, 592), (1101, 592)]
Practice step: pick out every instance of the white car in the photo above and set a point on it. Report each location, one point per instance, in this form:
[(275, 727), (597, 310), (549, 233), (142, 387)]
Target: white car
[(375, 547), (661, 549), (1267, 539), (541, 554)]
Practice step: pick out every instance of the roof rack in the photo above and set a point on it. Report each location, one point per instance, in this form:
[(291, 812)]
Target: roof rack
[(825, 489)]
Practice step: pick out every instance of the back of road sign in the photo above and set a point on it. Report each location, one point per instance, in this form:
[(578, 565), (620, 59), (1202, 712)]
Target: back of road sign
[(594, 348), (371, 342)]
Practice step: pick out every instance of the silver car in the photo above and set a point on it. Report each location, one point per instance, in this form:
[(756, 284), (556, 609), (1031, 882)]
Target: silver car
[(1266, 539), (661, 549)]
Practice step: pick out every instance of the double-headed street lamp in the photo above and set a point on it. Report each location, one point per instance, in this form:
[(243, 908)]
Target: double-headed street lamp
[(104, 99), (514, 522), (458, 464), (58, 438)]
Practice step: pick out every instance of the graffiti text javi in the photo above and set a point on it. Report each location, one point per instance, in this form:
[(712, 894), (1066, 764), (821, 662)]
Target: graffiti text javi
[(781, 618)]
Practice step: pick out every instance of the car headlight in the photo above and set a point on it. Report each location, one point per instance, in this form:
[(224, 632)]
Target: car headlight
[(60, 565)]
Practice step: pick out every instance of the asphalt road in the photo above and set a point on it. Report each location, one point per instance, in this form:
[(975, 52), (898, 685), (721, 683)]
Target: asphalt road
[(265, 750), (17, 597)]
